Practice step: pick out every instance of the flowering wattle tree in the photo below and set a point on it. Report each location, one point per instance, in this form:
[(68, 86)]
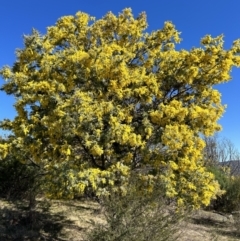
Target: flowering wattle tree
[(99, 100)]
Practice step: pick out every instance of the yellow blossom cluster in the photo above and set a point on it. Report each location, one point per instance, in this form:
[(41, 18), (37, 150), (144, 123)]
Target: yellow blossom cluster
[(3, 150)]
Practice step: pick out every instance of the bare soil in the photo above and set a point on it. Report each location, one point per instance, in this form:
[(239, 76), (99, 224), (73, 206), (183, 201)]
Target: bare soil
[(70, 220)]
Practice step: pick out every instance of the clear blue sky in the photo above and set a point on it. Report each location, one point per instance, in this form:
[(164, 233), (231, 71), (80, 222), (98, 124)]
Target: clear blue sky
[(193, 18)]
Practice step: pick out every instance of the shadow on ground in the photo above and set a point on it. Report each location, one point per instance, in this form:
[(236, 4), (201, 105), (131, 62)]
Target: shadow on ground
[(20, 224), (219, 224), (207, 222)]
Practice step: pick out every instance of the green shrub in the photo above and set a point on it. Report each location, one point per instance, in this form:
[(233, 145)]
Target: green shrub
[(18, 181), (137, 217), (230, 200)]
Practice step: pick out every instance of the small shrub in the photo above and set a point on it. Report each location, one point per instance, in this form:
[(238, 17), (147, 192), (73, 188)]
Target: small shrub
[(18, 181), (230, 200), (137, 217)]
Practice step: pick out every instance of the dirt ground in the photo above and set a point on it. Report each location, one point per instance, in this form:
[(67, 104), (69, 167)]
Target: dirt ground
[(70, 220), (206, 226)]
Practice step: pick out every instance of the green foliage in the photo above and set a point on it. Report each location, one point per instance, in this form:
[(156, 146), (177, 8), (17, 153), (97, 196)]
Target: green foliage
[(20, 177), (221, 176), (137, 217), (16, 179), (229, 201)]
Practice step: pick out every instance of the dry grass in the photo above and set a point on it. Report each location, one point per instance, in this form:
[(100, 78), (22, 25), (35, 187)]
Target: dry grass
[(70, 220)]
